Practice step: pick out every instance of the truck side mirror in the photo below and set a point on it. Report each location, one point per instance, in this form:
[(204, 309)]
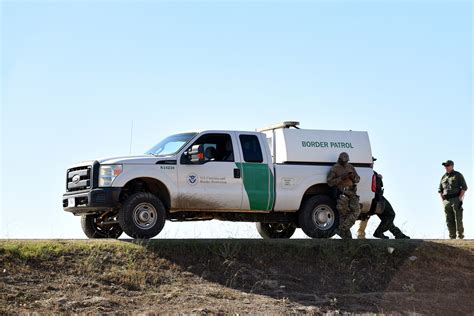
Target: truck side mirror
[(194, 155)]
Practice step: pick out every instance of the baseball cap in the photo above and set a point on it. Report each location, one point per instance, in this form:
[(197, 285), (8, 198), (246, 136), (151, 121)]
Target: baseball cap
[(448, 163)]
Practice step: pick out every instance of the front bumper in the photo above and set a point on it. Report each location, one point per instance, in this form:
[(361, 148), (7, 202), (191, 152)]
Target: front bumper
[(92, 201)]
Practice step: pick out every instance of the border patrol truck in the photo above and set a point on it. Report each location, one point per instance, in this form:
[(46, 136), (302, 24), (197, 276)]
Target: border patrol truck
[(275, 176)]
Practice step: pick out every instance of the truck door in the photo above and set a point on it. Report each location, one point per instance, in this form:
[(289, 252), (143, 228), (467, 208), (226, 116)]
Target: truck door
[(258, 178), (214, 182)]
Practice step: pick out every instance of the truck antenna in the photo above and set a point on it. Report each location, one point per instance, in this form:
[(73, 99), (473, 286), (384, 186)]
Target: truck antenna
[(131, 137)]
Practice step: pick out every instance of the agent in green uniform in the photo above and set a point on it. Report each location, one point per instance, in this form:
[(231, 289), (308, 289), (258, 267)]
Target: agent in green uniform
[(451, 189)]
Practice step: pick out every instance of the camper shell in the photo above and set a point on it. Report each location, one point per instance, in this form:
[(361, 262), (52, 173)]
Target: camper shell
[(317, 146)]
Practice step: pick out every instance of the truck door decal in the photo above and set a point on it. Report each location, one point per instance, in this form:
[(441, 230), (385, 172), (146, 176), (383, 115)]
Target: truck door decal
[(259, 184)]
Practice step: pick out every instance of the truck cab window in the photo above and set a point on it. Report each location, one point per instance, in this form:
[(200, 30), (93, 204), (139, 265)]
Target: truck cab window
[(251, 148), (213, 147)]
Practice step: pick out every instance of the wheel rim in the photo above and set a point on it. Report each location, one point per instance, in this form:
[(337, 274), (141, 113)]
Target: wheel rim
[(107, 230), (323, 217), (145, 215), (277, 228)]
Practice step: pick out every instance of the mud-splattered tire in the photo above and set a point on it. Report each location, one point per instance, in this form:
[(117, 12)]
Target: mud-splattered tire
[(275, 230), (142, 216), (93, 229), (318, 217)]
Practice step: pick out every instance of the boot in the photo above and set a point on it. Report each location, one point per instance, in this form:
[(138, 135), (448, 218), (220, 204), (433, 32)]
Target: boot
[(378, 234), (398, 233), (401, 236)]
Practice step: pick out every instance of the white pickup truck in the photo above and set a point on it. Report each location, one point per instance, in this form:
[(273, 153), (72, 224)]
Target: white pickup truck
[(275, 177)]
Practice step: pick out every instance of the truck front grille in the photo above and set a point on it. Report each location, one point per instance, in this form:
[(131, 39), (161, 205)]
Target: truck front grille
[(79, 178)]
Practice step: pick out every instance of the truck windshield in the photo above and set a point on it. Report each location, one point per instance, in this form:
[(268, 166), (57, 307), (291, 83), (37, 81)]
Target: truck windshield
[(171, 144)]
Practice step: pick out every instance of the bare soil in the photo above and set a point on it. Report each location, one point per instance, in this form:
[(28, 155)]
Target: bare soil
[(237, 277)]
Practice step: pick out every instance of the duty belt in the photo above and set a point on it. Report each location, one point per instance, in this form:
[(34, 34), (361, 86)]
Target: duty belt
[(450, 196)]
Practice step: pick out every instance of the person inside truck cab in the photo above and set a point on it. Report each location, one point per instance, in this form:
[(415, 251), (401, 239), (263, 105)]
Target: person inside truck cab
[(210, 153), (216, 147)]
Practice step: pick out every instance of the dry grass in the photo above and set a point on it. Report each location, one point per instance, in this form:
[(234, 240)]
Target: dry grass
[(237, 276)]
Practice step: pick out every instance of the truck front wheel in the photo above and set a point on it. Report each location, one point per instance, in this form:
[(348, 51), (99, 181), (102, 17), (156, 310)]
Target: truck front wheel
[(94, 227), (142, 216), (318, 217), (275, 230)]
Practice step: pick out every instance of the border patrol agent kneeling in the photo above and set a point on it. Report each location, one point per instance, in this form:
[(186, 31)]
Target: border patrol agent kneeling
[(384, 210)]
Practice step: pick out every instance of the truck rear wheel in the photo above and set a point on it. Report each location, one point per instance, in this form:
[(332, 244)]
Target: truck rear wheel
[(318, 217), (275, 230), (93, 227), (142, 216)]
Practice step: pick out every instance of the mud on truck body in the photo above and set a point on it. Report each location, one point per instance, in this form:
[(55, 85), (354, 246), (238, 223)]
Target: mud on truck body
[(275, 176)]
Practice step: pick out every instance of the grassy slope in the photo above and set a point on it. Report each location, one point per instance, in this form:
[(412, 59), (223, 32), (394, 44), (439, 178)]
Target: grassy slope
[(242, 276)]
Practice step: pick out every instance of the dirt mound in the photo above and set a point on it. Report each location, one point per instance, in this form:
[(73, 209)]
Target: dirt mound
[(237, 276)]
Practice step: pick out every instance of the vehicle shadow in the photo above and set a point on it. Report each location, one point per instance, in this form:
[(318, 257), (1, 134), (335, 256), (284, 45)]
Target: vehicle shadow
[(350, 276)]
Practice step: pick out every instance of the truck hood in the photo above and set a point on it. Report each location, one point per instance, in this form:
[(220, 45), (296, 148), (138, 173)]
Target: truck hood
[(133, 160)]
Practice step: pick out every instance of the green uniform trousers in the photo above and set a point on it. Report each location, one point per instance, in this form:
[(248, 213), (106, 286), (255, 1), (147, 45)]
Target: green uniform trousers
[(453, 210)]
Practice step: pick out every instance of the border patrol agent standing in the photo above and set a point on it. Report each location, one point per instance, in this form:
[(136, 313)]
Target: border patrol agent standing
[(451, 189), (344, 177)]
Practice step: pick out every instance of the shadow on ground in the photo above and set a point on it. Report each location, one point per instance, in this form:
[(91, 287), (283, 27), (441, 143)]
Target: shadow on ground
[(350, 276)]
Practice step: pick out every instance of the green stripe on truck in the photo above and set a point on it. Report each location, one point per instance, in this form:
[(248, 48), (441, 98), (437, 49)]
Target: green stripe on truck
[(259, 185)]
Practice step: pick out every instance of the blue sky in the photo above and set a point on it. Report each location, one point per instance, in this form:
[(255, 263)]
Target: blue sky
[(74, 76)]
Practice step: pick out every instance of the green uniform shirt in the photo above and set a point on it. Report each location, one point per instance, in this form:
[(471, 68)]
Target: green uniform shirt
[(452, 184)]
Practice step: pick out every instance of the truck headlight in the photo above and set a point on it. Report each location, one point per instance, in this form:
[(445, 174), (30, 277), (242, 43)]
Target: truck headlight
[(108, 173)]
